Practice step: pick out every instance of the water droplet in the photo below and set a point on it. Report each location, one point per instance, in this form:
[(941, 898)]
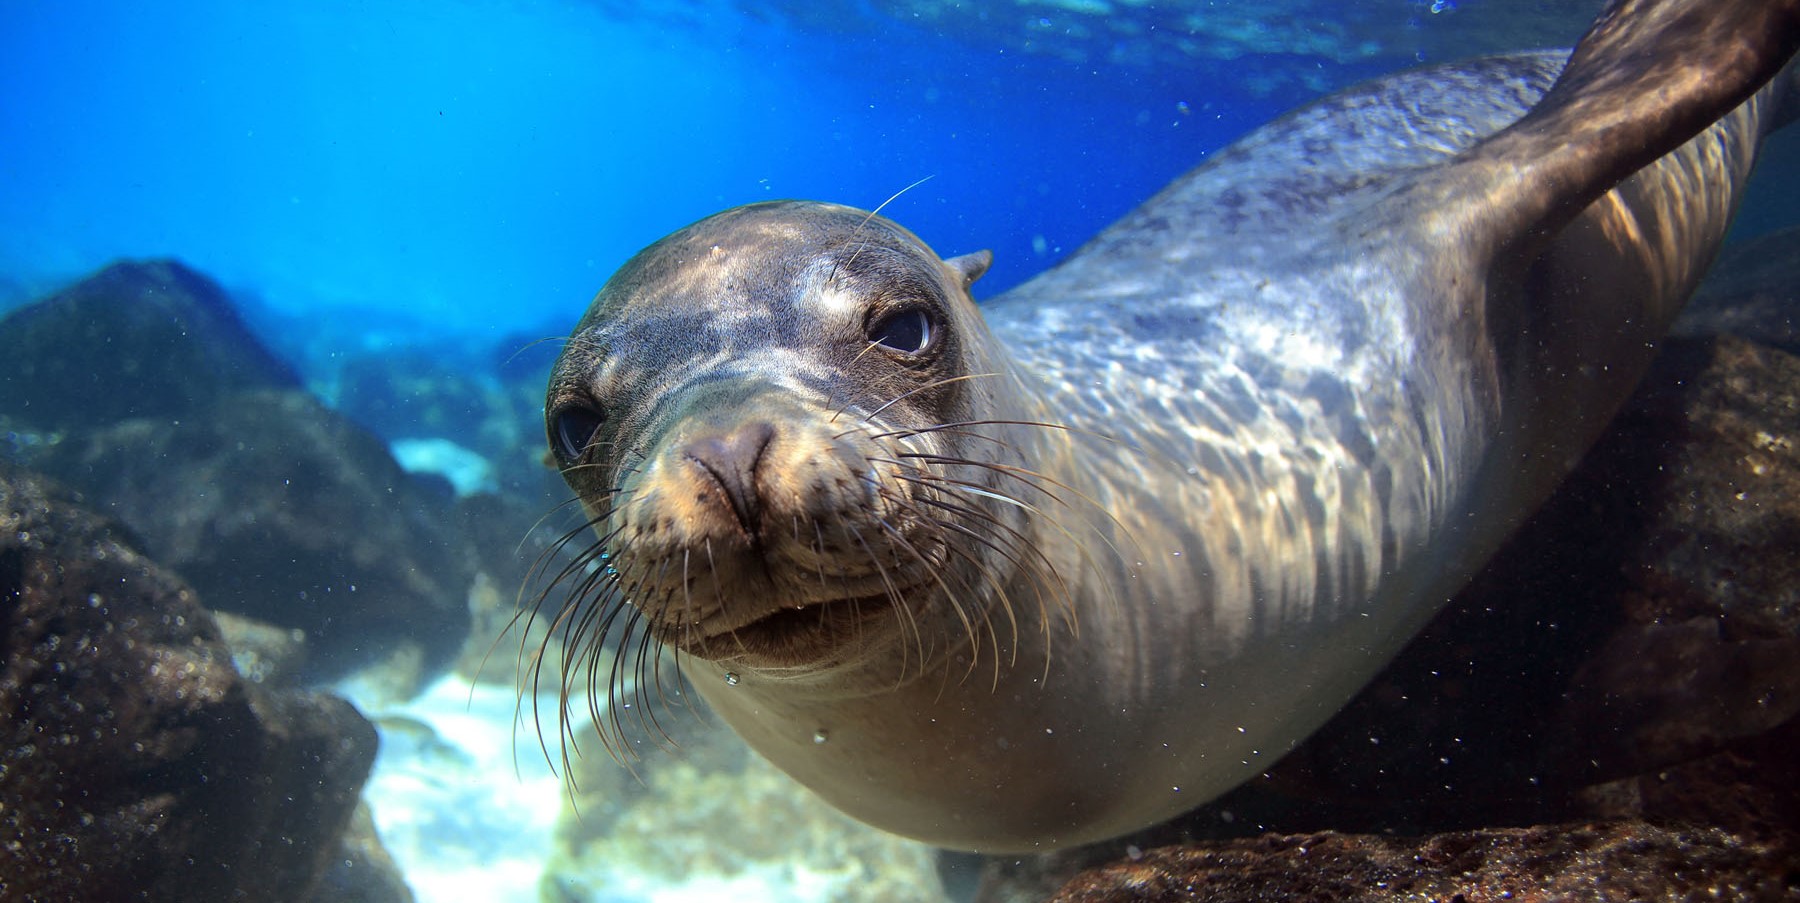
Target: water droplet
[(731, 678), (820, 736)]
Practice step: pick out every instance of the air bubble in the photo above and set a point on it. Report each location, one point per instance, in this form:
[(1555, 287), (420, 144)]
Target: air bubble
[(731, 678)]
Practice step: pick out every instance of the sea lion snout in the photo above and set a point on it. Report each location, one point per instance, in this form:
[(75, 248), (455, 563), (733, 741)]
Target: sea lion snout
[(730, 462), (760, 508)]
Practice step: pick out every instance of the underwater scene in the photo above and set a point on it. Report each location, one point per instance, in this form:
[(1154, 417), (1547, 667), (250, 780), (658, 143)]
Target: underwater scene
[(1402, 505)]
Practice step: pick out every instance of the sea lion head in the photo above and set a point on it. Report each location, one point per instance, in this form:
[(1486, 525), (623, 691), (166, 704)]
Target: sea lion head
[(782, 422)]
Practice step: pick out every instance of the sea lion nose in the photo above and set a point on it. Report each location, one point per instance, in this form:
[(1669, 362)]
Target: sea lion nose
[(731, 460)]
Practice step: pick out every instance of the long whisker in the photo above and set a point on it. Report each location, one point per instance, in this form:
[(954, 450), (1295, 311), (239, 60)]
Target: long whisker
[(925, 388), (865, 221), (566, 340), (1017, 548)]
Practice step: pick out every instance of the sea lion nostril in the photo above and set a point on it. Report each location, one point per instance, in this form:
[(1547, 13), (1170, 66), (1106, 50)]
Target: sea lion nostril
[(732, 459)]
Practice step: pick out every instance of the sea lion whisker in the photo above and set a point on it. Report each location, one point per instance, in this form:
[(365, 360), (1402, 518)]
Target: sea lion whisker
[(540, 564), (1010, 548), (965, 510), (565, 735), (567, 503), (629, 585), (1029, 477), (582, 596), (924, 388), (606, 724), (581, 466), (618, 676), (905, 615), (617, 745), (1024, 475), (1042, 424), (526, 612), (582, 563), (953, 599), (1022, 553), (871, 392), (646, 659), (832, 277), (584, 621), (652, 656), (560, 339)]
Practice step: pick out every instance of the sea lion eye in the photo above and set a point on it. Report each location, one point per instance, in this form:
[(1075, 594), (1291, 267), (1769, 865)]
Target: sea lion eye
[(908, 331), (573, 428)]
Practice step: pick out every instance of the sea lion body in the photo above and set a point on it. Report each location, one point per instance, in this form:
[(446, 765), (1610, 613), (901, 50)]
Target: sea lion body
[(1076, 561)]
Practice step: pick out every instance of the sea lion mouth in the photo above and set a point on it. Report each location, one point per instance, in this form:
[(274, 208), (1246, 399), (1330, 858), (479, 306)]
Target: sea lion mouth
[(790, 636)]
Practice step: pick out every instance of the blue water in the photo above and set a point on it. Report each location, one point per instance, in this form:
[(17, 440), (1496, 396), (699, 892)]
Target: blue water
[(484, 165)]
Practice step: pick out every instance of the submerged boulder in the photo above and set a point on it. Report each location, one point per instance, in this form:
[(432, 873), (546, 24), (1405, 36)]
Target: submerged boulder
[(1754, 292), (151, 339), (1602, 861), (135, 763), (274, 507), (155, 403)]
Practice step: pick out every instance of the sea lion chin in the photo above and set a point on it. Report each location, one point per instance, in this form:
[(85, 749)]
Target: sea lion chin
[(1080, 559)]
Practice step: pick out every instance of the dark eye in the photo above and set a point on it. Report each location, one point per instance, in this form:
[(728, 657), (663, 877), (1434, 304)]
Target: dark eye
[(573, 428), (907, 331)]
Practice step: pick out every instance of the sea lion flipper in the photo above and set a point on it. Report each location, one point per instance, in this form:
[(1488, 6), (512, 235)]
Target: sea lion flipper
[(1647, 77)]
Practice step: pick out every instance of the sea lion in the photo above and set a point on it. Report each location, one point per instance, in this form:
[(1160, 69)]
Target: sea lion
[(1046, 570)]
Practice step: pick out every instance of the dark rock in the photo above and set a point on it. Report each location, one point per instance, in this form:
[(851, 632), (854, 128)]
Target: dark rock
[(262, 652), (135, 764), (152, 339), (277, 508), (1602, 862), (1753, 292), (486, 397), (364, 872), (414, 392)]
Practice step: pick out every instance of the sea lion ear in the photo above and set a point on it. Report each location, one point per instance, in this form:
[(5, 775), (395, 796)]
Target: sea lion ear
[(971, 266)]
